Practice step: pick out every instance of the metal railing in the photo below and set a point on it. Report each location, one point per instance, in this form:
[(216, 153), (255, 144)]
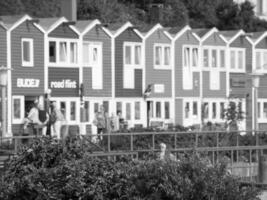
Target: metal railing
[(241, 151)]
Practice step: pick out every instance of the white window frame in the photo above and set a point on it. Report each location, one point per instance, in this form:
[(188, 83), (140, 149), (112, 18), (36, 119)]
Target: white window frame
[(129, 69), (99, 66), (27, 63), (68, 62), (22, 113), (162, 110), (132, 45), (236, 69), (191, 119), (67, 111), (162, 65), (218, 50), (261, 119), (263, 66), (190, 64)]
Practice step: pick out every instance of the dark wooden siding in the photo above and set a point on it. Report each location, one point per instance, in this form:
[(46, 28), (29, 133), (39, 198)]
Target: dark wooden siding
[(214, 40), (98, 35), (186, 39), (27, 30), (3, 49), (179, 111), (262, 90), (241, 42), (238, 90), (262, 44), (127, 36), (207, 92), (157, 76), (63, 31)]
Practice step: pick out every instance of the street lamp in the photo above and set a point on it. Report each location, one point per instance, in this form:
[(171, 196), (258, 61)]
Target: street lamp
[(3, 85)]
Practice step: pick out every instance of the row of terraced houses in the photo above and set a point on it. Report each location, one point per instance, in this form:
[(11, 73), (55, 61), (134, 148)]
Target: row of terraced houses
[(174, 75)]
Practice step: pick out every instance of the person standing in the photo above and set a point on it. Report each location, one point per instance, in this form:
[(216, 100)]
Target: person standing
[(100, 122), (56, 120), (33, 118), (43, 117)]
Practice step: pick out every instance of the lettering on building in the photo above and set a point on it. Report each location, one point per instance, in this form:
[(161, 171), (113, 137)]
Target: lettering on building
[(237, 82), (63, 84), (28, 83)]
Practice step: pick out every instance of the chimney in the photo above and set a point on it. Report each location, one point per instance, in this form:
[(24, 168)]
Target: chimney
[(69, 9), (155, 12)]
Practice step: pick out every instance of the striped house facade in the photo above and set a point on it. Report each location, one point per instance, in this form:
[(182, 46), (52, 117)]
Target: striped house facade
[(178, 75)]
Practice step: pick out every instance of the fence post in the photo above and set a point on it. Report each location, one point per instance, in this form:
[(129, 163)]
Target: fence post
[(153, 141), (131, 141), (16, 145), (108, 141)]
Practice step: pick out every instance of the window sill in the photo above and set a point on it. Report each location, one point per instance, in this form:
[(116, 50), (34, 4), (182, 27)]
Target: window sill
[(162, 67), (24, 64)]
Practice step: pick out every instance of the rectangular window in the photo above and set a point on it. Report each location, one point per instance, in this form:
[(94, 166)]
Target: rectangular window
[(52, 52), (167, 110), (259, 109), (87, 111), (258, 60), (86, 59), (158, 109), (187, 109), (240, 60), (128, 54), (27, 52), (73, 52), (167, 55), (72, 110), (206, 110), (128, 111), (214, 58), (119, 107), (195, 109), (222, 110), (186, 56), (137, 110), (265, 110), (162, 55), (206, 58), (63, 108), (106, 106), (96, 106), (17, 109), (195, 57), (222, 58), (214, 110), (137, 54), (158, 55), (233, 65), (63, 51), (264, 60)]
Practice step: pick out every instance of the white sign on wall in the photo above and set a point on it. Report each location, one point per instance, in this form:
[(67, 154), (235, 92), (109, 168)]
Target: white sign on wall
[(159, 88), (28, 83), (65, 83)]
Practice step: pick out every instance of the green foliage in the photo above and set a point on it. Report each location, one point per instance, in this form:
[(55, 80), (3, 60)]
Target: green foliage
[(50, 169)]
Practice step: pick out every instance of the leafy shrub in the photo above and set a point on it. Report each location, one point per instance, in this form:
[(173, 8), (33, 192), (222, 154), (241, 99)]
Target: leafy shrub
[(51, 169)]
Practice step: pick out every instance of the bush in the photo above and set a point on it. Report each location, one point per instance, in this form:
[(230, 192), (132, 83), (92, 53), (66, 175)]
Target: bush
[(51, 169)]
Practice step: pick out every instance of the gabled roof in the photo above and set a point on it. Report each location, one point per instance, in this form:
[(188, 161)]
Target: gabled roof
[(117, 28), (81, 25), (201, 32), (113, 28), (256, 37), (10, 20), (47, 23), (146, 28), (231, 35), (178, 31)]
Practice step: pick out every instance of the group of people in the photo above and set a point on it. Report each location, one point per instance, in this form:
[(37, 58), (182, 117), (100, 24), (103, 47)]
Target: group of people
[(105, 123), (40, 120)]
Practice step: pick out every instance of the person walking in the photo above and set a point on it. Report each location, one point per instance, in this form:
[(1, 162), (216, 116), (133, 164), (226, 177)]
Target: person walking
[(56, 120), (100, 122)]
